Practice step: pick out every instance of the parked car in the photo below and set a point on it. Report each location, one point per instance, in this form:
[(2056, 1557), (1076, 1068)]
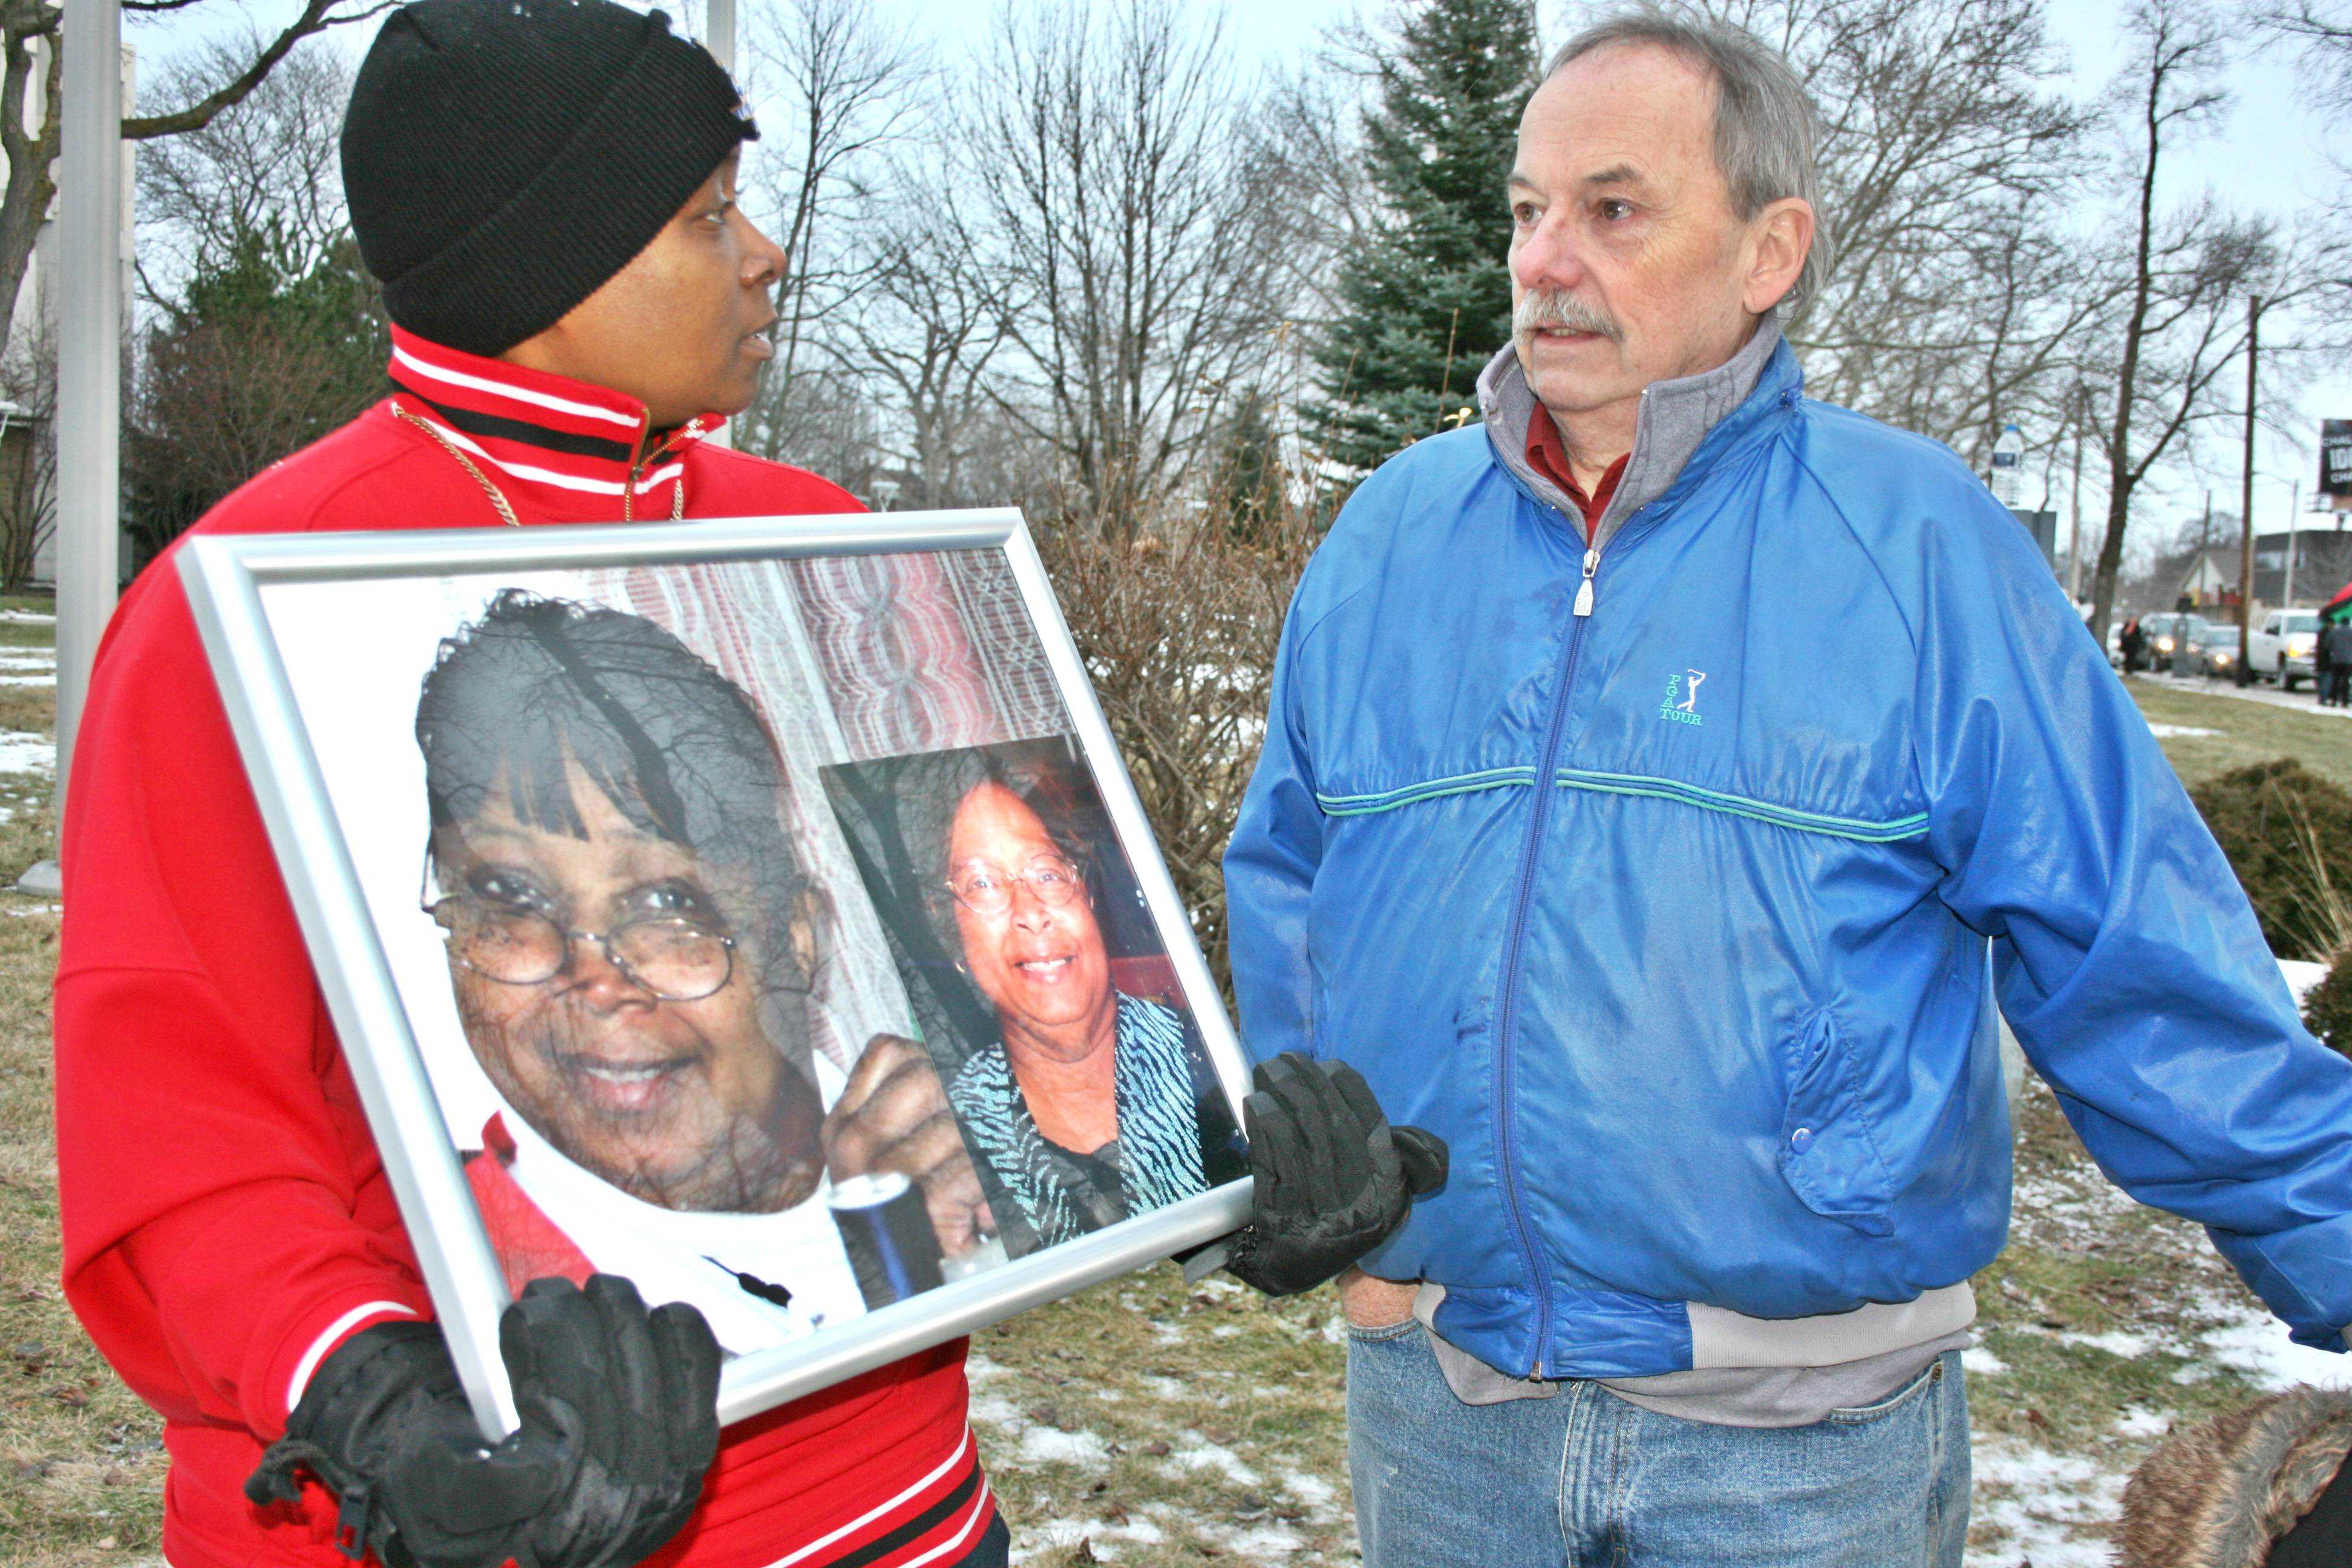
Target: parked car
[(2170, 635), (2211, 651), (2283, 647)]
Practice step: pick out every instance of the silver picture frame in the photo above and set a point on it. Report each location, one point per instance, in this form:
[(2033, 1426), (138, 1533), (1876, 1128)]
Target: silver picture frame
[(225, 577)]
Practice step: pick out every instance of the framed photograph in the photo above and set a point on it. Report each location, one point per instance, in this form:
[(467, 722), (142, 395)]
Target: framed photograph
[(757, 909)]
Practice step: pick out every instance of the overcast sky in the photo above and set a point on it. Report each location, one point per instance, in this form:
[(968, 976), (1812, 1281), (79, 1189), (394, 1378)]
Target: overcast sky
[(2270, 157)]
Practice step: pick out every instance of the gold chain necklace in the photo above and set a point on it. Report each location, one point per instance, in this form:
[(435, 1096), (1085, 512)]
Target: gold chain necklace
[(498, 498)]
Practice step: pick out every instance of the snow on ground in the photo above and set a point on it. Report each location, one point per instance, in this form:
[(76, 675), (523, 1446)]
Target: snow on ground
[(1202, 1454), (2257, 1346), (2178, 732), (2036, 1498), (28, 617), (22, 751)]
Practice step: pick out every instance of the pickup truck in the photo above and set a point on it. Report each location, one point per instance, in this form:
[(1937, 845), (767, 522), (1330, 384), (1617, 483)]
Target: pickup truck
[(2280, 647)]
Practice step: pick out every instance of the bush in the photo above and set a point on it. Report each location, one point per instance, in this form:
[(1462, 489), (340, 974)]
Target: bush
[(2328, 1006), (2288, 834)]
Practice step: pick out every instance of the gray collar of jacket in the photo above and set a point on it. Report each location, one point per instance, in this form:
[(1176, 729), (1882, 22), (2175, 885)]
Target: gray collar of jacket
[(1675, 416)]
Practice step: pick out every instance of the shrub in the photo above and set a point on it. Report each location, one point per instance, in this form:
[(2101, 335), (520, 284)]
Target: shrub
[(2328, 1006), (2288, 834)]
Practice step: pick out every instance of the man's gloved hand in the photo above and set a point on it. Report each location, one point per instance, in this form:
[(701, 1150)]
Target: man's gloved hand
[(1333, 1178), (620, 1423)]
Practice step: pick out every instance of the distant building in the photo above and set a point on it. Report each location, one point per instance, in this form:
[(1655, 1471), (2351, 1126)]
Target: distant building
[(2207, 578)]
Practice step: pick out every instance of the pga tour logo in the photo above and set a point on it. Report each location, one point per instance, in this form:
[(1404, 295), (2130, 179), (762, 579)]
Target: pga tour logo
[(1681, 706)]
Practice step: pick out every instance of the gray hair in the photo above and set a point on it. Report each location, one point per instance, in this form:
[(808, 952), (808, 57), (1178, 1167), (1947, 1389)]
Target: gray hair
[(1766, 134)]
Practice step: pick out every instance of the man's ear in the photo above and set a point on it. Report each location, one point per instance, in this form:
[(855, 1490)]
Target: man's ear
[(1778, 240)]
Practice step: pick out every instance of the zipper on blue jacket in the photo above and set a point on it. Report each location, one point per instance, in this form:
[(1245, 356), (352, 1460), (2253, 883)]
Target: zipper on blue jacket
[(1508, 1017)]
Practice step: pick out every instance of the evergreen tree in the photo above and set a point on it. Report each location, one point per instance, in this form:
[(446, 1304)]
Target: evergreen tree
[(1248, 472), (260, 357), (1428, 302)]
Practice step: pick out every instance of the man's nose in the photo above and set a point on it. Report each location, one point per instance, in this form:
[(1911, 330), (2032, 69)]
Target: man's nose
[(1547, 257), (763, 259)]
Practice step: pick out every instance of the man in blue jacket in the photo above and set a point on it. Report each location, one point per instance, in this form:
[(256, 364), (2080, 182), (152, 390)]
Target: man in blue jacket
[(1648, 771)]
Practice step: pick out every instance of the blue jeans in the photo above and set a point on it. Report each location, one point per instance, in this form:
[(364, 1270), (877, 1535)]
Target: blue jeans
[(1586, 1478)]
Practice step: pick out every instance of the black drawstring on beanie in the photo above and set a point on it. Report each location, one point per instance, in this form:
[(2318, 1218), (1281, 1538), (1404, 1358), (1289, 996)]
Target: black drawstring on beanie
[(503, 158)]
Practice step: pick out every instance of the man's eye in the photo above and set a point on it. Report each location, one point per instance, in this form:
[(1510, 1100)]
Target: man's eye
[(1523, 212), (1612, 209)]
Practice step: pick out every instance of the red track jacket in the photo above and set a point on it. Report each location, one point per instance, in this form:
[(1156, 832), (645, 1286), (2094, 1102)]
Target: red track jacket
[(228, 1222)]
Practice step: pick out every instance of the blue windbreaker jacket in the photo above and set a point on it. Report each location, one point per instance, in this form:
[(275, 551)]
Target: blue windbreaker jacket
[(1672, 919)]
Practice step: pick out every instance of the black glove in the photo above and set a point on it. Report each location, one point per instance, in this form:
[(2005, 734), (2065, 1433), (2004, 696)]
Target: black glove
[(619, 1410), (2322, 1538), (1333, 1178)]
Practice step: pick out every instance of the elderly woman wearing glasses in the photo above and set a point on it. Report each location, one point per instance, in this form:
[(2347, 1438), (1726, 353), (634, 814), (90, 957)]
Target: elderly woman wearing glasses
[(1091, 1107), (631, 941)]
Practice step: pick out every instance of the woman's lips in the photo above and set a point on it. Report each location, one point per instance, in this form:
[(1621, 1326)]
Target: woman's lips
[(1044, 970)]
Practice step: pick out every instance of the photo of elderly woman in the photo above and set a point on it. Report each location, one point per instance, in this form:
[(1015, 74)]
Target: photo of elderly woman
[(1040, 985), (632, 943)]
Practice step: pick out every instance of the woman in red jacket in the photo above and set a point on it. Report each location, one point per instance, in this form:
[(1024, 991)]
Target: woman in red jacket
[(546, 190)]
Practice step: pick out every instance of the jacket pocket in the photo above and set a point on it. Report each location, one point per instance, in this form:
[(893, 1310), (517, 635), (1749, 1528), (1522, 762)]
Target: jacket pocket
[(1829, 1150)]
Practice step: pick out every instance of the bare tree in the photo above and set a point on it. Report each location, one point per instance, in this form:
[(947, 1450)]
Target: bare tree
[(2184, 274), (33, 30), (926, 333), (1124, 236), (835, 89), (267, 166), (1946, 151)]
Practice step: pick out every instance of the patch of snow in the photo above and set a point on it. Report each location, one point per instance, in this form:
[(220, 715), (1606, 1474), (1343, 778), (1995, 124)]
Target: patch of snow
[(2115, 1342), (21, 751), (1165, 1387), (1978, 1360), (1224, 1331), (2138, 1422), (1336, 1331), (28, 617), (2038, 1501), (1048, 1446), (1204, 1455), (48, 680), (2178, 732), (995, 1410), (35, 909), (2257, 1345), (1313, 1490)]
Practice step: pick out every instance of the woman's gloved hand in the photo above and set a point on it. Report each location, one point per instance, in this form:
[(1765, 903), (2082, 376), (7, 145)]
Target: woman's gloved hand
[(1333, 1178), (619, 1409)]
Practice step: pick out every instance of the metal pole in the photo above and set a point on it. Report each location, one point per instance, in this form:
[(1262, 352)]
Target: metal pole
[(719, 37), (2246, 503), (2074, 547), (2294, 517), (720, 33), (88, 292)]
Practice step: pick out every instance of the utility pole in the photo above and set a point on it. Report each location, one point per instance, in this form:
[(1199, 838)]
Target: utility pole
[(2293, 517), (2075, 546), (89, 349), (2246, 506)]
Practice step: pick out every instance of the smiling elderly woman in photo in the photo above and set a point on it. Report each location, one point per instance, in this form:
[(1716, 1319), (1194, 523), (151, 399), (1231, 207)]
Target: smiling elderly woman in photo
[(632, 943), (1090, 1106)]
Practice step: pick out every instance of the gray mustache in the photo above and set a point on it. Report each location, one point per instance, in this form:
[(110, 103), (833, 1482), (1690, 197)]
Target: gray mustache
[(1542, 308)]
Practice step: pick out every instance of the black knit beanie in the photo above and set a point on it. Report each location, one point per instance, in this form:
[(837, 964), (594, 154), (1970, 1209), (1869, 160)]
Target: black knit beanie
[(503, 158)]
